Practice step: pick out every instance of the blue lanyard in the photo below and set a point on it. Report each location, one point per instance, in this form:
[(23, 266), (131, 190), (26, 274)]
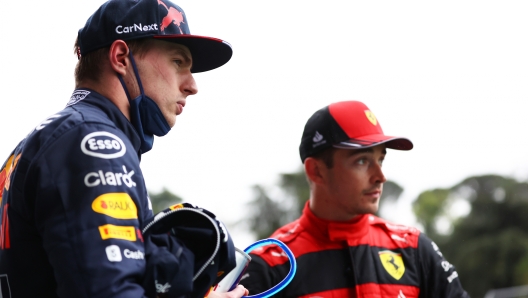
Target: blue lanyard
[(293, 266)]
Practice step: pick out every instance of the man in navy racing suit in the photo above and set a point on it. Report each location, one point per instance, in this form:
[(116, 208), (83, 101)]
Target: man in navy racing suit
[(341, 248), (72, 195)]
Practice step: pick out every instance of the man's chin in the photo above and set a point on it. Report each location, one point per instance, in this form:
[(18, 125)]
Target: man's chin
[(171, 121), (372, 209)]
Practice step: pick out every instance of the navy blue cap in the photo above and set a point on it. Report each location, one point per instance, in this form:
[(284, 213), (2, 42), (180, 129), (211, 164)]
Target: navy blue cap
[(160, 19)]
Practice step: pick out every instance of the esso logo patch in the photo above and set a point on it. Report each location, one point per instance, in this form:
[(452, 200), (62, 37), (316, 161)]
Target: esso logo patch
[(103, 144)]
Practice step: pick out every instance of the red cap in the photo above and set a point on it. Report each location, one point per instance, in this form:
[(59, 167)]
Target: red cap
[(348, 125)]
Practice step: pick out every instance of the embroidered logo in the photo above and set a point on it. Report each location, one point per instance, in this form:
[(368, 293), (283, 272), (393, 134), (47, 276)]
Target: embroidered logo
[(176, 206), (77, 96), (93, 179), (393, 263), (173, 16), (435, 247), (371, 117), (113, 253), (117, 205), (162, 288), (452, 276), (120, 29), (47, 121), (318, 137), (103, 144), (117, 232)]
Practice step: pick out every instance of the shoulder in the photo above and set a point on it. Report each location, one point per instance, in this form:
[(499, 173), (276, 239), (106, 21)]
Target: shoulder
[(288, 232), (428, 246), (273, 254), (392, 227), (82, 117), (392, 234), (73, 121), (71, 138)]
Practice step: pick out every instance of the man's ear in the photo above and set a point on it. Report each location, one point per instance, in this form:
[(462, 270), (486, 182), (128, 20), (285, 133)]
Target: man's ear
[(315, 170), (119, 57)]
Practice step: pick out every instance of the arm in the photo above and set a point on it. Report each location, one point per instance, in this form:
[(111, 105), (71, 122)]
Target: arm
[(439, 277), (259, 276)]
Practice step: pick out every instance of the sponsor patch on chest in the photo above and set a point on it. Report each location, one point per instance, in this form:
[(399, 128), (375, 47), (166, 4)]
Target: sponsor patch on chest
[(103, 144), (393, 263)]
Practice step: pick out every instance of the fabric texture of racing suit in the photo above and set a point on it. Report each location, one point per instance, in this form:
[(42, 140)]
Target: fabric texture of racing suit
[(366, 257), (73, 199)]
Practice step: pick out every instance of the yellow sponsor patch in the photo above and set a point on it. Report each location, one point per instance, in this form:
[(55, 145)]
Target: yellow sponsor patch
[(118, 232), (117, 205), (371, 117), (393, 263), (177, 206)]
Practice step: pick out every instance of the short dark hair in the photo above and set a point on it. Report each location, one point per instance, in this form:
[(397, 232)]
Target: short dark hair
[(89, 66), (327, 156)]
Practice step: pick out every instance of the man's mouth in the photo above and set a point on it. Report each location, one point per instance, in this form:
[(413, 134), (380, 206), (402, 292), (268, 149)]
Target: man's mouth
[(180, 107)]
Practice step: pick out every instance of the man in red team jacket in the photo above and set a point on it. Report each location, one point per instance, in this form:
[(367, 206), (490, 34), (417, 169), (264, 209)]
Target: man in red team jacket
[(341, 248)]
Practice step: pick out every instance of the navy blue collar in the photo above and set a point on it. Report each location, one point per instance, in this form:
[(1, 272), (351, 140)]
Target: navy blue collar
[(85, 96)]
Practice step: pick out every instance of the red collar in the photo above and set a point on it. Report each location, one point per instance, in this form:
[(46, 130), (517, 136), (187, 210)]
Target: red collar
[(334, 230)]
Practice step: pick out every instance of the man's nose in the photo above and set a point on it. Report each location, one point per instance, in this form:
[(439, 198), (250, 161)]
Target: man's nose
[(189, 85)]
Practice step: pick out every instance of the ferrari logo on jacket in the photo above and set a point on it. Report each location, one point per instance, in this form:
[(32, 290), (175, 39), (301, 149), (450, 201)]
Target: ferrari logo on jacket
[(393, 263)]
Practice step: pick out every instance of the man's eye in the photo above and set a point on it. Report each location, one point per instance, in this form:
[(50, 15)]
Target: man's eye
[(178, 61), (362, 161)]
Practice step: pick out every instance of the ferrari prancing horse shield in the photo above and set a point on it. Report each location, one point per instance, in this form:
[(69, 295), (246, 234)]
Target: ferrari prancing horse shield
[(393, 263), (371, 117)]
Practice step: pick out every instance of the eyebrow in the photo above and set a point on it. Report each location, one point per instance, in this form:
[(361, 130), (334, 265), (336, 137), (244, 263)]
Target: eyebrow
[(187, 59)]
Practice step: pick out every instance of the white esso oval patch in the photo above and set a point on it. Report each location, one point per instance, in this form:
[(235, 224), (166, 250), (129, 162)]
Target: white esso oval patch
[(103, 144)]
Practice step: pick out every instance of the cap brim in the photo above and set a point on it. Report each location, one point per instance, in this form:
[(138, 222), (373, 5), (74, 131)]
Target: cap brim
[(207, 52), (397, 143)]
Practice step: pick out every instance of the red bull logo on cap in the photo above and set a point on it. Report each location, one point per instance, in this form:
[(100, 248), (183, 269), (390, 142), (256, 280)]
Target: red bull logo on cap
[(173, 16)]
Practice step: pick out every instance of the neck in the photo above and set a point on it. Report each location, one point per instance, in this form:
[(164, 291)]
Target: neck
[(112, 89), (324, 208)]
